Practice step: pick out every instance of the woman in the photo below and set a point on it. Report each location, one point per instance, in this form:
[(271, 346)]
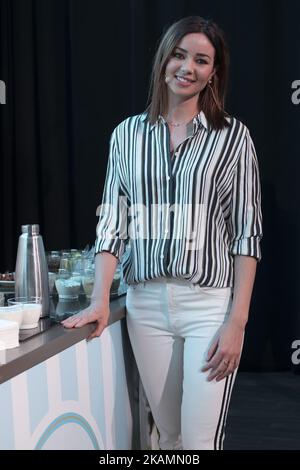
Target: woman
[(186, 174)]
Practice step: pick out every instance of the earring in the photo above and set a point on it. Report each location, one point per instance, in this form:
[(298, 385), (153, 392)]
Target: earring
[(213, 95), (167, 78)]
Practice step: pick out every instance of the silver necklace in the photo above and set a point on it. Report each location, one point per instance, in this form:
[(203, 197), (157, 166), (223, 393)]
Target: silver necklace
[(174, 124)]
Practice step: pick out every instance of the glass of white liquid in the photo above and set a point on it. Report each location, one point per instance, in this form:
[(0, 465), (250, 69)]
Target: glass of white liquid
[(32, 309)]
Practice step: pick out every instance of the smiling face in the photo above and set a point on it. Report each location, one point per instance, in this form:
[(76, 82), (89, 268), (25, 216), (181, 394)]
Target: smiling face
[(190, 67)]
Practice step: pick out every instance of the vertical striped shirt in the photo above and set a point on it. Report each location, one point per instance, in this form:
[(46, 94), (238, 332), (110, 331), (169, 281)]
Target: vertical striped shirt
[(184, 215)]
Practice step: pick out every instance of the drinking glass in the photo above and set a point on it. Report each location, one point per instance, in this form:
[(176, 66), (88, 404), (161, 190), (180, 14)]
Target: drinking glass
[(32, 309)]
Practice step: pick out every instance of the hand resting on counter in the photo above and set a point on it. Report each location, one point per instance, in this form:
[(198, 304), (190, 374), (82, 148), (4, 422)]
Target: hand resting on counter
[(95, 312)]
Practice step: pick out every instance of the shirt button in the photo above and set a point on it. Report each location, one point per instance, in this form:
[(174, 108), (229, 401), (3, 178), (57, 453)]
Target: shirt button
[(168, 178)]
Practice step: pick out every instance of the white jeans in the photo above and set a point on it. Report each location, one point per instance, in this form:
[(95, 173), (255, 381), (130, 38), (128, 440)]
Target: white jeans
[(171, 323)]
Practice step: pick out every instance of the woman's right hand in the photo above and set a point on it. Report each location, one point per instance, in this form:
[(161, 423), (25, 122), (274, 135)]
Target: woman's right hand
[(95, 312)]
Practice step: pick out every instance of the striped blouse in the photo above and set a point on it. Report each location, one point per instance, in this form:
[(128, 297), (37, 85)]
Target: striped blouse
[(183, 215)]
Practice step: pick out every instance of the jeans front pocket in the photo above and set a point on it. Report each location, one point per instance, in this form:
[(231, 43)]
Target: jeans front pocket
[(221, 292)]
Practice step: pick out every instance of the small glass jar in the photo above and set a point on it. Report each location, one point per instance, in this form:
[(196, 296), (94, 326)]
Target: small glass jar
[(53, 261), (88, 280), (65, 262), (52, 277)]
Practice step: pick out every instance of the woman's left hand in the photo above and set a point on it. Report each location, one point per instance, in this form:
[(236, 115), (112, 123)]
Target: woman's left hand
[(224, 352)]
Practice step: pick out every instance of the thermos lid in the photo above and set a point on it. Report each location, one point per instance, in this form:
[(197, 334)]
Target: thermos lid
[(31, 229)]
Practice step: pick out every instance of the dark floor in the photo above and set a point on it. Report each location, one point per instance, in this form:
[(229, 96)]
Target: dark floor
[(264, 412)]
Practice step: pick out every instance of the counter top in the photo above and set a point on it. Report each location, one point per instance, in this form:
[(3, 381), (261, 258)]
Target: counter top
[(53, 340)]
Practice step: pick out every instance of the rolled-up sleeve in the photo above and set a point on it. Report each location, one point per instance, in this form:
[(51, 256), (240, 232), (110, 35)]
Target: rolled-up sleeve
[(246, 215), (112, 225)]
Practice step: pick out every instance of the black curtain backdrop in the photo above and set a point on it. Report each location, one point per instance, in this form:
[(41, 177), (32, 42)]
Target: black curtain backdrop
[(75, 68)]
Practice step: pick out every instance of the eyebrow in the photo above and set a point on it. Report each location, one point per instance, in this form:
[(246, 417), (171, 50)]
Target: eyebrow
[(198, 53)]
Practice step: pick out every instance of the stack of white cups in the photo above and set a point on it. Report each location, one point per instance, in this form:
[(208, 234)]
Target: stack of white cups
[(9, 334)]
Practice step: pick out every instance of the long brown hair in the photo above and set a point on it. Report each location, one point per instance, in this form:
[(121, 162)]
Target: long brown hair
[(212, 97)]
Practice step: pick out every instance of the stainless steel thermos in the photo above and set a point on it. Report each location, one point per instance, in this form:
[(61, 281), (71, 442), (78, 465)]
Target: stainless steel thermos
[(31, 273)]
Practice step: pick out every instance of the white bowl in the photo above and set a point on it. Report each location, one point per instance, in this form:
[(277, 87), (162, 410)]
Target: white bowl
[(12, 313), (68, 288)]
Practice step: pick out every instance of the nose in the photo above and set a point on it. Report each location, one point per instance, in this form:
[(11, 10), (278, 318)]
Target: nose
[(187, 64)]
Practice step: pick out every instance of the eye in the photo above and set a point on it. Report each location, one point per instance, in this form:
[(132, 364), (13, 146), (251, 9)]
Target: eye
[(177, 55)]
